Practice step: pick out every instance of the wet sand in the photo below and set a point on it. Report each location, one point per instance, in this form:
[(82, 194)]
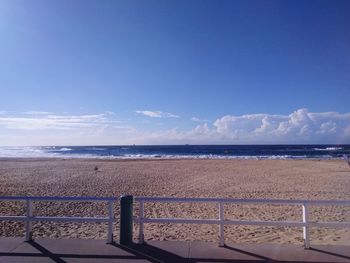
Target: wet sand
[(273, 179)]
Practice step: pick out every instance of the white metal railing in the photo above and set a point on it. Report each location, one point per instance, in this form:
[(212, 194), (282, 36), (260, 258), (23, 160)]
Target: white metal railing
[(29, 217), (221, 221)]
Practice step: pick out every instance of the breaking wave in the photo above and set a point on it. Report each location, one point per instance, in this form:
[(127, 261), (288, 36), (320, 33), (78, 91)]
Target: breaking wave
[(259, 152)]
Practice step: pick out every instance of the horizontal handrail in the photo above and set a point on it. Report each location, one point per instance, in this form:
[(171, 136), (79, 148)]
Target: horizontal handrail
[(221, 221), (242, 222), (305, 223), (29, 218), (240, 200), (57, 218), (59, 198)]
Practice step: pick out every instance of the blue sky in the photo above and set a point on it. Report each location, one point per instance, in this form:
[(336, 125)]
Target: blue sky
[(169, 72)]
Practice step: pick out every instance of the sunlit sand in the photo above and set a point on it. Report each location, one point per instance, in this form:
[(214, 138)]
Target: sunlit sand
[(276, 179)]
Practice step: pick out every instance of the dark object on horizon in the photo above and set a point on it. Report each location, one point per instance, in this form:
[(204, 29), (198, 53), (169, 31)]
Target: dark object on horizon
[(347, 158)]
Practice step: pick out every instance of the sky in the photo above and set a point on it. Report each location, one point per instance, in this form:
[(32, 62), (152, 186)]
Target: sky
[(98, 72)]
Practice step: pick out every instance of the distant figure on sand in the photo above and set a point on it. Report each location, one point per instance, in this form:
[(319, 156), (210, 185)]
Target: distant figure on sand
[(347, 158)]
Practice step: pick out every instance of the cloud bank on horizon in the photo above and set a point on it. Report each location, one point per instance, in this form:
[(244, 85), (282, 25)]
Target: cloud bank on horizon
[(299, 127), (157, 114)]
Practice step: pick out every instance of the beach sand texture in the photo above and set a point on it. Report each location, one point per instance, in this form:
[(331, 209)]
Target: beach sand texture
[(275, 179)]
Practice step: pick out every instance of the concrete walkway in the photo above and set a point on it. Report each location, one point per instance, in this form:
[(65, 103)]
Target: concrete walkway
[(78, 250)]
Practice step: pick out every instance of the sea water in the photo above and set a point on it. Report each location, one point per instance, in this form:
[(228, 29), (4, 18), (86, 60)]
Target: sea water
[(181, 151)]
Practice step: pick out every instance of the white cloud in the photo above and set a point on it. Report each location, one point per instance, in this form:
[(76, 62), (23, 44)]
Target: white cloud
[(195, 119), (299, 127), (37, 112), (59, 122), (55, 129), (201, 134), (157, 114)]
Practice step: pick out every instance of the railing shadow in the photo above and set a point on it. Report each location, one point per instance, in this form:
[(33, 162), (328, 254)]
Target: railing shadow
[(45, 252), (156, 254), (59, 257), (260, 257), (152, 253)]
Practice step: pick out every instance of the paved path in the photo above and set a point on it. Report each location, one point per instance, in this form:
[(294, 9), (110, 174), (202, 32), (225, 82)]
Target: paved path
[(78, 250)]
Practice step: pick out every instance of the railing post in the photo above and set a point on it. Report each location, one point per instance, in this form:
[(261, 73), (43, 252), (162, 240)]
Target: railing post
[(126, 211), (29, 212), (110, 222), (221, 227), (141, 215), (306, 234)]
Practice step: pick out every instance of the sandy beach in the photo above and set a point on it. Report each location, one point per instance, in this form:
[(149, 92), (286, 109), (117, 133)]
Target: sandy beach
[(275, 179)]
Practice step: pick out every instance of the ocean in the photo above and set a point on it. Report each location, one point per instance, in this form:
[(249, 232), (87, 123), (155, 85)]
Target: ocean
[(181, 151)]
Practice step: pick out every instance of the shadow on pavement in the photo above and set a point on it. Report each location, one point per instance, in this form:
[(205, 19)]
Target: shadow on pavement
[(149, 253), (329, 253)]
